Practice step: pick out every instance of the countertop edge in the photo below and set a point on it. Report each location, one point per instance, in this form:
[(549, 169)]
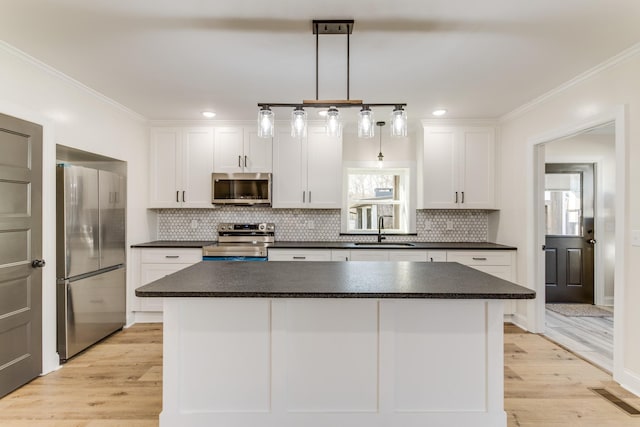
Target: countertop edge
[(330, 295)]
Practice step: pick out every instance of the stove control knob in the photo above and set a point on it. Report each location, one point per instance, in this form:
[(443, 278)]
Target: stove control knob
[(262, 227)]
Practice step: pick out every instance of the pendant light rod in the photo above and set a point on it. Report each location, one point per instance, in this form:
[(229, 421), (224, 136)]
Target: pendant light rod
[(348, 60), (315, 27)]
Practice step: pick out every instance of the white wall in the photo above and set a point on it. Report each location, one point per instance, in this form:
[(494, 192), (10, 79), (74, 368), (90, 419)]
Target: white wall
[(599, 149), (593, 96), (74, 116)]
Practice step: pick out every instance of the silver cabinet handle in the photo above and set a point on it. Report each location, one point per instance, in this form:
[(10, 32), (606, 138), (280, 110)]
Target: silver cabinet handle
[(456, 197), (309, 196), (172, 256), (299, 257), (177, 196), (239, 160), (463, 197), (479, 258), (245, 161), (183, 196), (303, 196)]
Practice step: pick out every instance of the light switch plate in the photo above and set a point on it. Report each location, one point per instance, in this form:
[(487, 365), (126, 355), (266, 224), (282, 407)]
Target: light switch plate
[(635, 237)]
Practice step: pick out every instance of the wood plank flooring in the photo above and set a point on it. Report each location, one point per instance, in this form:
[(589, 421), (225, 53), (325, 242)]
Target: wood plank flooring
[(118, 383), (589, 337)]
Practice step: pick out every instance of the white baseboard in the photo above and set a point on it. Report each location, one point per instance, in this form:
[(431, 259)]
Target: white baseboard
[(608, 301), (630, 381), (148, 317), (520, 321)]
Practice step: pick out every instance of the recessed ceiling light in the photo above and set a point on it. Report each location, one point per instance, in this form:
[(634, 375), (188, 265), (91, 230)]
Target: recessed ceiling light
[(439, 112), (209, 114)]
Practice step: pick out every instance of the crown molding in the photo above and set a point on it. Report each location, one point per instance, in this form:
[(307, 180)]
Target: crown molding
[(609, 63), (12, 50)]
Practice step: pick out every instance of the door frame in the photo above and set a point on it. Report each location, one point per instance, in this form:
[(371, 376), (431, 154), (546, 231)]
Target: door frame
[(535, 316)]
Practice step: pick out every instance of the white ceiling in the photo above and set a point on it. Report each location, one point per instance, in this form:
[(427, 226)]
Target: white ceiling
[(172, 59)]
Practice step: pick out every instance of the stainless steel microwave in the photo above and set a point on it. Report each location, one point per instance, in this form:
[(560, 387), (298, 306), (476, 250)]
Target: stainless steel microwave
[(241, 189)]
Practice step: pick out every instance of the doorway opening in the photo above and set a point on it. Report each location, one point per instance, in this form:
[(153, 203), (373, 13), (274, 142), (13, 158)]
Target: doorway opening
[(579, 205)]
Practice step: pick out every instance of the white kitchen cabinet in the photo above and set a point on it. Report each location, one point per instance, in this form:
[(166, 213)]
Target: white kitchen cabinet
[(498, 263), (238, 149), (180, 167), (369, 255), (437, 256), (151, 264), (299, 254), (307, 172), (415, 255), (340, 255), (457, 168)]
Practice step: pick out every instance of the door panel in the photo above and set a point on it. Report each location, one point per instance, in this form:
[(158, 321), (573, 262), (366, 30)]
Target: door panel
[(20, 243), (569, 241)]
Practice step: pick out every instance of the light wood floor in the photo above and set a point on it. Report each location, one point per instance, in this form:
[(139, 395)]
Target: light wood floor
[(589, 337), (118, 383)]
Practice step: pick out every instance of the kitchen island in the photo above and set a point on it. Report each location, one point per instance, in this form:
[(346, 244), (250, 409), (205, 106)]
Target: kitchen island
[(333, 344)]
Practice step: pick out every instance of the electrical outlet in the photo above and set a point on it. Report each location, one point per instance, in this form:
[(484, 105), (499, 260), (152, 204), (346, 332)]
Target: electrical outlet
[(635, 237), (311, 225), (427, 225), (194, 224), (449, 225)]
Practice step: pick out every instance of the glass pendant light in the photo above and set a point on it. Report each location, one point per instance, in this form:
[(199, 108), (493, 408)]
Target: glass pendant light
[(334, 124), (298, 123), (265, 122), (398, 122), (365, 123), (380, 156)]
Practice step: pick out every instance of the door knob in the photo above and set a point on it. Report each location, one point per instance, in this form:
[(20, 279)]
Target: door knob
[(38, 263), (592, 241)]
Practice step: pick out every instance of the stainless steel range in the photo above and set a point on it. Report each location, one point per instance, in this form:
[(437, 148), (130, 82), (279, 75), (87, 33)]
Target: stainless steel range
[(241, 242)]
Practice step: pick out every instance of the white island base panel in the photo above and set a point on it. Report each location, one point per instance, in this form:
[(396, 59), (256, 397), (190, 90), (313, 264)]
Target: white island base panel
[(261, 362)]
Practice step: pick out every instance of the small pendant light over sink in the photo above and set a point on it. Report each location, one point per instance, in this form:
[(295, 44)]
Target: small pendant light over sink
[(380, 156)]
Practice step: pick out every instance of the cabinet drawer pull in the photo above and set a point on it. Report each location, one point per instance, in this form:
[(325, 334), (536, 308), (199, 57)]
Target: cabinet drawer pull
[(239, 160), (304, 193), (309, 196), (245, 161), (299, 257), (172, 256), (183, 196), (479, 258), (463, 197), (456, 197), (177, 196)]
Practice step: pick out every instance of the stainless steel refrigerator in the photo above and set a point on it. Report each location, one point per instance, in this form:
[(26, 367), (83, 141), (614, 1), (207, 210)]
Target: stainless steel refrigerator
[(91, 289)]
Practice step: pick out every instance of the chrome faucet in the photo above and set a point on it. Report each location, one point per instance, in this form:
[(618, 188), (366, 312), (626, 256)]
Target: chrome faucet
[(381, 227)]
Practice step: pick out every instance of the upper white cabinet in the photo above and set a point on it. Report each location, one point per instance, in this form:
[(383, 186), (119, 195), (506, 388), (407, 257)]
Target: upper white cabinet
[(458, 168), (307, 172), (240, 149), (180, 167)]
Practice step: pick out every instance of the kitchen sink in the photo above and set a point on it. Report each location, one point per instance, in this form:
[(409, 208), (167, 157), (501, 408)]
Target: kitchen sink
[(384, 244)]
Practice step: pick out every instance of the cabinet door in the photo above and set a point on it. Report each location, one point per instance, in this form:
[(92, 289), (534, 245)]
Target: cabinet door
[(229, 152), (164, 178), (257, 152), (478, 171), (324, 170), (151, 272), (440, 169), (288, 178), (340, 255), (197, 148), (369, 255), (408, 255)]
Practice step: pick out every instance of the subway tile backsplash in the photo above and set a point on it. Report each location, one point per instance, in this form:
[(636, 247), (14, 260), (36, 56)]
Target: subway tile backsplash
[(317, 224)]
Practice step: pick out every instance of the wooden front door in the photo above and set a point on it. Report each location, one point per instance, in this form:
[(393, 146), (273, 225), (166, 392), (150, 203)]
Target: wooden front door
[(569, 212), (20, 252)]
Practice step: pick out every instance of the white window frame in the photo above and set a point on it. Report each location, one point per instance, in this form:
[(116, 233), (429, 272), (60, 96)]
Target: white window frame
[(411, 203)]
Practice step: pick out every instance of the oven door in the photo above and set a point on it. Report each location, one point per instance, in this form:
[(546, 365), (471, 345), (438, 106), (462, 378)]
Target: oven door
[(234, 258)]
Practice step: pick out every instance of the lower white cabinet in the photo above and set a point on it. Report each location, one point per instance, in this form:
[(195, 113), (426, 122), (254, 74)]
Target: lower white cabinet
[(151, 264), (299, 255)]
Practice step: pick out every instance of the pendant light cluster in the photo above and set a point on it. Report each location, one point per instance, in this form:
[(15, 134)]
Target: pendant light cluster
[(380, 156), (366, 121)]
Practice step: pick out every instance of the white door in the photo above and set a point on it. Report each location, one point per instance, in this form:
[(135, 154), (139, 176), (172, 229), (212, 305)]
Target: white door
[(20, 252), (197, 167), (164, 176), (440, 169), (229, 152), (324, 170), (257, 151), (289, 170), (477, 174)]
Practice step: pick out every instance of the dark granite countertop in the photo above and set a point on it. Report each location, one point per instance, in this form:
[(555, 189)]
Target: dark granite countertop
[(393, 245), (289, 279), (174, 244), (483, 246)]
